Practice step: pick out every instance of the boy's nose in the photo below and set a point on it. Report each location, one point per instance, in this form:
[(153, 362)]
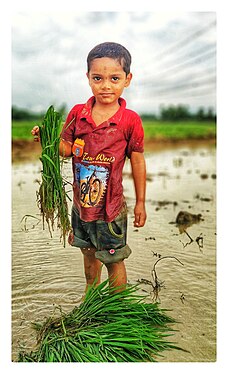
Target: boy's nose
[(106, 84)]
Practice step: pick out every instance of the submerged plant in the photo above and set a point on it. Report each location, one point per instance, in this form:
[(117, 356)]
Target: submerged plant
[(52, 196), (108, 326), (156, 283)]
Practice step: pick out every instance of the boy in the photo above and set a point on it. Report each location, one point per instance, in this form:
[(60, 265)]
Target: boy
[(99, 135)]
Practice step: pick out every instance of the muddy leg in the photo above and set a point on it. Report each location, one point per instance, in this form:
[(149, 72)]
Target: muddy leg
[(117, 275), (92, 267)]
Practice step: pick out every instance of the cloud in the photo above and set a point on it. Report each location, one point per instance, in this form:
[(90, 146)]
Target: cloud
[(49, 52)]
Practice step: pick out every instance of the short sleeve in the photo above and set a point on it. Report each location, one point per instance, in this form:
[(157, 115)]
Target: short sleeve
[(135, 135), (69, 128)]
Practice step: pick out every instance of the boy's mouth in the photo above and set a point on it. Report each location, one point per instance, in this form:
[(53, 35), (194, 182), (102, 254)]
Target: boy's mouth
[(106, 94)]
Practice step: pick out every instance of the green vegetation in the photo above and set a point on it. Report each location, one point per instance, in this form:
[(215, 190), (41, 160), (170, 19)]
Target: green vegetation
[(23, 120), (181, 112), (161, 130), (51, 195), (172, 122), (21, 114), (22, 129), (108, 326), (156, 129)]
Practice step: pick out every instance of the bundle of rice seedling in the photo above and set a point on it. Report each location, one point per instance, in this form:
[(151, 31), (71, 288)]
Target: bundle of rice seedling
[(108, 326), (52, 196)]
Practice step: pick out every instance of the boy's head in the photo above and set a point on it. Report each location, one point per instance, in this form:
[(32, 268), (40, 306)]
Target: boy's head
[(111, 50)]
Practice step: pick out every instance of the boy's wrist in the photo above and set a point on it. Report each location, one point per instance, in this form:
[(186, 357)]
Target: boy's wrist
[(140, 201)]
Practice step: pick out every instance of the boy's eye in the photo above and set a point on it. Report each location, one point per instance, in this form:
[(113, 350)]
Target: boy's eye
[(115, 79), (96, 79)]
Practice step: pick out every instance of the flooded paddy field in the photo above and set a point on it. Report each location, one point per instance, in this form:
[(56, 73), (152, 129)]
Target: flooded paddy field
[(45, 275)]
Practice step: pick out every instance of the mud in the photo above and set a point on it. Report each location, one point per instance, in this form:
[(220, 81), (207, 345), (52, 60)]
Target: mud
[(46, 275)]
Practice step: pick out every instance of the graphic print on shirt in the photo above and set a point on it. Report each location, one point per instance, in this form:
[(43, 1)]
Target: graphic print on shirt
[(92, 181)]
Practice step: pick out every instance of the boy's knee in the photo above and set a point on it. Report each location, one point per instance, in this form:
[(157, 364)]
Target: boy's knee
[(88, 252), (113, 256), (112, 265)]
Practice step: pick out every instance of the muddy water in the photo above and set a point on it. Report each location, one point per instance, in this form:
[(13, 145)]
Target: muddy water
[(46, 275)]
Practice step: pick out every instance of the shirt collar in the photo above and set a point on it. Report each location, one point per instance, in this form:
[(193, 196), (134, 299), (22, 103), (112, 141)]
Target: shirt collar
[(87, 111)]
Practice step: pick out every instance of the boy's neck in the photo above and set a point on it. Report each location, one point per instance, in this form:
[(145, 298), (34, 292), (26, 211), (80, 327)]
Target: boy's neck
[(106, 108), (102, 112)]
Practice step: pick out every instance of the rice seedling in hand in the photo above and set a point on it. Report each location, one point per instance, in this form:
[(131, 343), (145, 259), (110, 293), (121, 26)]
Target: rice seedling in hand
[(52, 196), (106, 327)]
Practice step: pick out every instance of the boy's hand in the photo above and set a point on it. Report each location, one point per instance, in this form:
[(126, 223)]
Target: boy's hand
[(140, 214), (36, 133), (138, 166)]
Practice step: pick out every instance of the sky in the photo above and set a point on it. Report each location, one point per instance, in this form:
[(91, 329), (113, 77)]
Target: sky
[(173, 57)]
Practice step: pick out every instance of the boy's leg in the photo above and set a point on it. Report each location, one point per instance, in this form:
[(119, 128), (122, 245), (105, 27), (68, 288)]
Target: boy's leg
[(117, 275), (92, 267)]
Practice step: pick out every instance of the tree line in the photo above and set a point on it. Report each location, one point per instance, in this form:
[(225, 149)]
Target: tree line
[(181, 112), (20, 114), (166, 113)]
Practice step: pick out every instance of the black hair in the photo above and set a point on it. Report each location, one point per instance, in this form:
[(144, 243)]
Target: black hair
[(112, 50)]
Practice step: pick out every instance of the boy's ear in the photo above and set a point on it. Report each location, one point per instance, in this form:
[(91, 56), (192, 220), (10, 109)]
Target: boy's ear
[(128, 79), (87, 74)]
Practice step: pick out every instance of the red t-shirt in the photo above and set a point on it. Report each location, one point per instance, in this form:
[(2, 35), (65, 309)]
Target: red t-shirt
[(98, 190)]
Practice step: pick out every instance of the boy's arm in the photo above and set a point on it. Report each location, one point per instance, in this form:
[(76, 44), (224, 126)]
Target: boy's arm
[(138, 166), (65, 147)]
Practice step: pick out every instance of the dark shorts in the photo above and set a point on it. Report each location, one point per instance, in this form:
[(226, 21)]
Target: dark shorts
[(109, 238)]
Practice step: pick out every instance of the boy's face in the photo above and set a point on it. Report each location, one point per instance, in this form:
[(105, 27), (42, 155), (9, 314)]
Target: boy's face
[(107, 80)]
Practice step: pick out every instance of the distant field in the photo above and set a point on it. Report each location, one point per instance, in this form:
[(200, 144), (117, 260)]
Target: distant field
[(22, 129), (179, 130), (153, 130)]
